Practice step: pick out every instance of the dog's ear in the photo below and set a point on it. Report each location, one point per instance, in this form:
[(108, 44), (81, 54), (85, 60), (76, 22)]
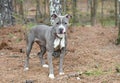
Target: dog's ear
[(68, 16), (53, 16)]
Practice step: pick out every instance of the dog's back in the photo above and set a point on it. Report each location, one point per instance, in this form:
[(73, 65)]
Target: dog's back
[(39, 32)]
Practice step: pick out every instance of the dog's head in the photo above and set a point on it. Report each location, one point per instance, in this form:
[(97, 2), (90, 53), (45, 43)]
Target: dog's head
[(60, 23)]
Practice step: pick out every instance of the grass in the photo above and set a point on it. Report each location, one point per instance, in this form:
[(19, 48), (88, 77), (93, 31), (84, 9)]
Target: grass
[(107, 22), (11, 35), (97, 72), (103, 22), (18, 40), (118, 68), (84, 19), (30, 25)]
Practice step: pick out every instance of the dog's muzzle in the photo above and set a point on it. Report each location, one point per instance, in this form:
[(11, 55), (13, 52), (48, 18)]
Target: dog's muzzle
[(61, 30)]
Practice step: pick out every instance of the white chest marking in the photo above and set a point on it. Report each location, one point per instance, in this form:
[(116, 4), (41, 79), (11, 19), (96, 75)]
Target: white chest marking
[(60, 42)]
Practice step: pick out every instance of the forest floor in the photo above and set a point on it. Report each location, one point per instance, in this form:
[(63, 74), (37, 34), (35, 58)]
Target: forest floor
[(91, 51)]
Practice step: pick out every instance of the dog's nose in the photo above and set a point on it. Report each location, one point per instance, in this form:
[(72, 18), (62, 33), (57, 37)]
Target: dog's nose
[(61, 30)]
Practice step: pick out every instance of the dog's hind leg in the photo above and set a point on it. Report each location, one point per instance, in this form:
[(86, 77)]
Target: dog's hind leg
[(30, 41), (43, 50)]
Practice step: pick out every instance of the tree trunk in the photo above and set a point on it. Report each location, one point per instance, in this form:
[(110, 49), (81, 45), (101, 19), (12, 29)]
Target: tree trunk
[(102, 13), (11, 18), (55, 8), (1, 10), (118, 40), (64, 5), (38, 12), (74, 11), (6, 10), (116, 16), (21, 11), (88, 4), (93, 12), (15, 6), (45, 3)]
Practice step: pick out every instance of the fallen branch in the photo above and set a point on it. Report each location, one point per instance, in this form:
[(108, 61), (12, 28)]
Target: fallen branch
[(74, 74)]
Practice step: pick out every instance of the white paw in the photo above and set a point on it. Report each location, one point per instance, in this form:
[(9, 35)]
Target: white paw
[(51, 76), (25, 69), (45, 65), (61, 73)]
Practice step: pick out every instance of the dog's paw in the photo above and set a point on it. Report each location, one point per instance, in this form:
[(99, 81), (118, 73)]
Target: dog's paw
[(61, 73), (26, 69), (51, 76), (45, 65)]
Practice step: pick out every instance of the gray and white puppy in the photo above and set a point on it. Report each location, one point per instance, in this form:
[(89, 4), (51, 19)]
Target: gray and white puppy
[(51, 39)]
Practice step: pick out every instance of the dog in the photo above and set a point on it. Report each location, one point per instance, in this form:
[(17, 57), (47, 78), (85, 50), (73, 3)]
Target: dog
[(51, 39)]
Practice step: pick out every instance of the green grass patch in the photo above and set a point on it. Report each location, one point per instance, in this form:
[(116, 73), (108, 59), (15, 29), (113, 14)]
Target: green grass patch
[(11, 35), (18, 40), (97, 72), (30, 25), (118, 68), (107, 22)]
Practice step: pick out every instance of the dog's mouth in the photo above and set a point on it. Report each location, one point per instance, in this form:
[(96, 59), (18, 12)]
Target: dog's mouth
[(61, 32), (60, 35)]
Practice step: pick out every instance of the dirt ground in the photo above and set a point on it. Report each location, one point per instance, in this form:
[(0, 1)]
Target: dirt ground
[(91, 51)]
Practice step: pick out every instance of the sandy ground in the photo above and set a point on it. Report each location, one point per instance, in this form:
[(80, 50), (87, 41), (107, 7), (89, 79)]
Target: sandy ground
[(91, 51)]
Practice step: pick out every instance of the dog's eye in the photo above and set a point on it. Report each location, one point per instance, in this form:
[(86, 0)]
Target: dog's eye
[(57, 23), (65, 23)]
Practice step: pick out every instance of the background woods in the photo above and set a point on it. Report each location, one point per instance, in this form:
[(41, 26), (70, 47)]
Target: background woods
[(84, 12)]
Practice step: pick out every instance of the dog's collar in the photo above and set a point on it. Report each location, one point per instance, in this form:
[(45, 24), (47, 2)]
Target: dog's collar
[(56, 35)]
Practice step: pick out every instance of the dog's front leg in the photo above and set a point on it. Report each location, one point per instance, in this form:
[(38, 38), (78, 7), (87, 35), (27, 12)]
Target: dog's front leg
[(61, 62), (51, 70)]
